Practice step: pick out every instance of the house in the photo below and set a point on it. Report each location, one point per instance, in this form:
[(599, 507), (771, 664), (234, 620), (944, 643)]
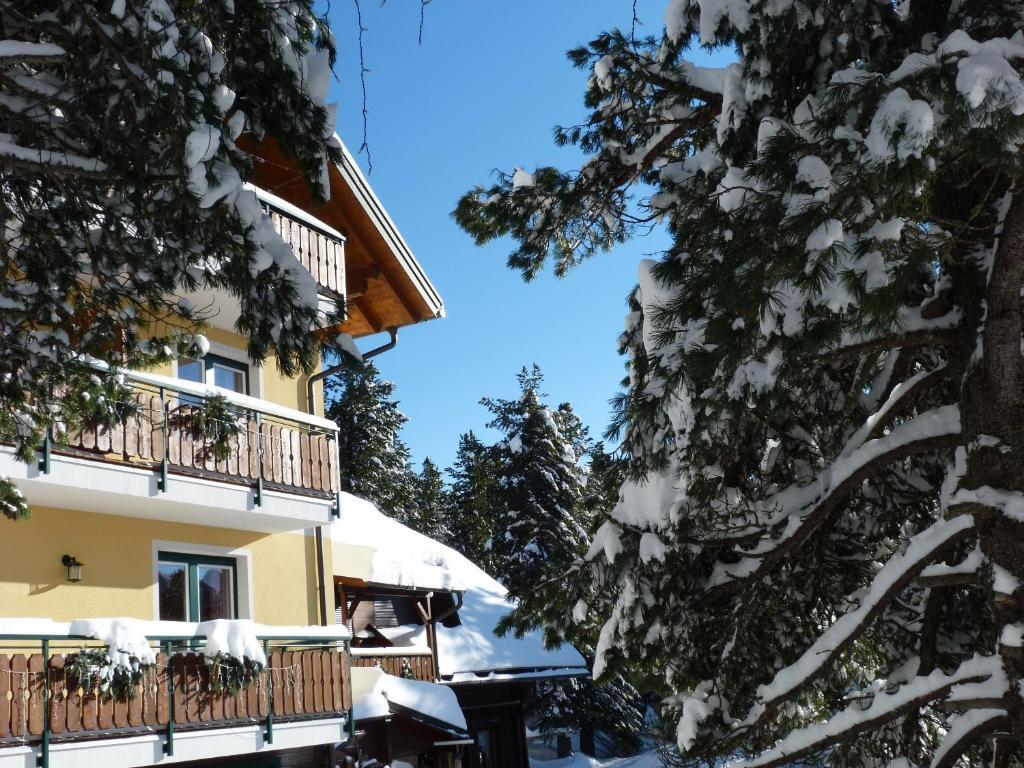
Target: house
[(418, 609), (219, 646)]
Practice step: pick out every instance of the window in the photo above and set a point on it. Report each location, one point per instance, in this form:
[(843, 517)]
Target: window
[(196, 587), (218, 371)]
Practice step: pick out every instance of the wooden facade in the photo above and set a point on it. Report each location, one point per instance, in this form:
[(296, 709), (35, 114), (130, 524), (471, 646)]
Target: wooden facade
[(413, 665)]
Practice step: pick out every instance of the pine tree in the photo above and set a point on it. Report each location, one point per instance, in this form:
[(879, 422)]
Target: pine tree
[(542, 515), (539, 490), (817, 554), (372, 459), (123, 190), (474, 506), (431, 511)]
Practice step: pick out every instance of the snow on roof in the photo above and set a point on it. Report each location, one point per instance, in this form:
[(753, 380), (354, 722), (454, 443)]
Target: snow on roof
[(406, 558), (378, 694)]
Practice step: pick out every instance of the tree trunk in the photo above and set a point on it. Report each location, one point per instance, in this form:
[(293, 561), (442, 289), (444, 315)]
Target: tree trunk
[(564, 745), (587, 739), (993, 407)]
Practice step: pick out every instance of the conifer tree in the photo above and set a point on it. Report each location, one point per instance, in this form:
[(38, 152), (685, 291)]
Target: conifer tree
[(373, 461), (473, 502), (430, 513), (539, 490), (817, 555), (123, 191)]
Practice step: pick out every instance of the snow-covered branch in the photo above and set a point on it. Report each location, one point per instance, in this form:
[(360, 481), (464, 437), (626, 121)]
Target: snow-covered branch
[(800, 509), (885, 707), (899, 571)]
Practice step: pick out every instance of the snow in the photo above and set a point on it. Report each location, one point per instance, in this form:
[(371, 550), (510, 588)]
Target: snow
[(434, 701), (521, 179), (988, 669), (403, 557), (920, 549), (346, 344), (810, 170), (899, 111), (506, 677), (8, 148), (125, 639), (235, 638), (579, 760), (797, 501), (826, 235), (19, 49), (1009, 503), (202, 144)]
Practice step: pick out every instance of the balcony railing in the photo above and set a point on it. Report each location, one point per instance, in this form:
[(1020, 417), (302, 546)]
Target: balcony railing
[(303, 680), (269, 451), (320, 249), (414, 663)]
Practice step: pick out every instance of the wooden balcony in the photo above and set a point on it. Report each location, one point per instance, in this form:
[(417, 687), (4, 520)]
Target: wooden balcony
[(39, 708), (320, 248), (412, 663), (268, 451)]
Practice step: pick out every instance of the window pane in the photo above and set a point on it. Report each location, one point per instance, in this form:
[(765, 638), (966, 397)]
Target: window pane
[(173, 592), (229, 378), (215, 596), (190, 370)]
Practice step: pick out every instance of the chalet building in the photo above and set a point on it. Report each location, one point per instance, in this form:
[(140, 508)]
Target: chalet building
[(219, 568), (421, 614)]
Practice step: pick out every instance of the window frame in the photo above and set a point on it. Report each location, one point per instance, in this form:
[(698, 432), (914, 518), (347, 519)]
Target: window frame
[(209, 360), (192, 562)]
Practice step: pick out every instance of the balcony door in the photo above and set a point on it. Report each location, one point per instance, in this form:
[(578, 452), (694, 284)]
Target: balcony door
[(196, 587)]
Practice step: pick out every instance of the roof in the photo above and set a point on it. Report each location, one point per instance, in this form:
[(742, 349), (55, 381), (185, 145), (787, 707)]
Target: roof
[(376, 694), (403, 557), (386, 286)]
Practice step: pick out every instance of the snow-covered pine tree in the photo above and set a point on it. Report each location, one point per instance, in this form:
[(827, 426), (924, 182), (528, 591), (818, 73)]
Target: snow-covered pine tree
[(473, 506), (431, 509), (538, 529), (820, 549), (372, 459), (123, 188)]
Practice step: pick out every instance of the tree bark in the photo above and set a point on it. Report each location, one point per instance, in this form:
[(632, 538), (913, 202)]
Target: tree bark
[(587, 739), (993, 407)]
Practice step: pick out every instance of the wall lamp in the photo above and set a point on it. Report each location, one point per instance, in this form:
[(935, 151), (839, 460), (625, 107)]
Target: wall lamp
[(74, 568)]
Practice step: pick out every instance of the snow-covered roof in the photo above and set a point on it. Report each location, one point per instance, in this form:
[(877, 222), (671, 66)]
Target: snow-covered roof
[(403, 557), (377, 694)]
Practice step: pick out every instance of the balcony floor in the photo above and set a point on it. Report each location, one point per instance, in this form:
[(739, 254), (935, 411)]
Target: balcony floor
[(117, 489)]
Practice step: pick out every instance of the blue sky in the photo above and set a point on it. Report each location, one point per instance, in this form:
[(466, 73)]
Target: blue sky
[(483, 92)]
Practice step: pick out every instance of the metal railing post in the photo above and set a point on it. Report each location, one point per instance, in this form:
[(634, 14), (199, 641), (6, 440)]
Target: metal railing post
[(44, 463), (269, 735), (165, 415), (333, 472), (43, 761), (259, 455), (169, 744)]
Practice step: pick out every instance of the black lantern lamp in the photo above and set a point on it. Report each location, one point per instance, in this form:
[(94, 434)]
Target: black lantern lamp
[(74, 568)]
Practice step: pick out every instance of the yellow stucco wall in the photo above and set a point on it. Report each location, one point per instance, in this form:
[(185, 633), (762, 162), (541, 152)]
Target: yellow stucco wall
[(118, 556)]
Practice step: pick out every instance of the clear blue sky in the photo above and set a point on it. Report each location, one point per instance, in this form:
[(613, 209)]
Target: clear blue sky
[(483, 92)]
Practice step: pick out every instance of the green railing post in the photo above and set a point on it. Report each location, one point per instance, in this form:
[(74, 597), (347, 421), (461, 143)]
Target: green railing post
[(165, 415), (333, 472), (169, 744), (43, 761), (259, 454), (44, 463), (270, 695)]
